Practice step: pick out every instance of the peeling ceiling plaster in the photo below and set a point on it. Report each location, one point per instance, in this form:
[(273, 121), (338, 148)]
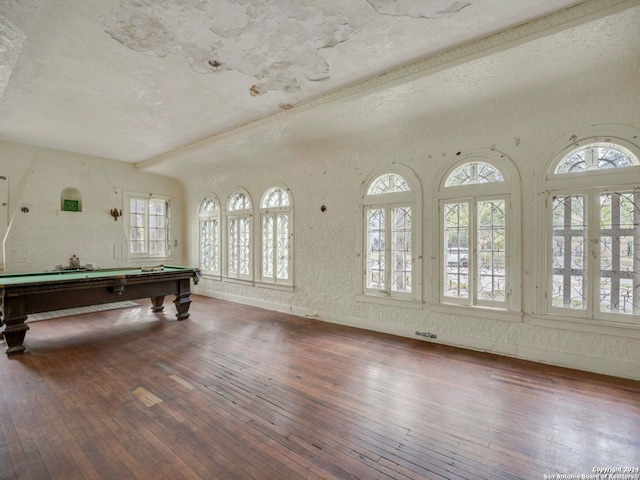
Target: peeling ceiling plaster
[(155, 81), (11, 40), (418, 9), (275, 42), (12, 36)]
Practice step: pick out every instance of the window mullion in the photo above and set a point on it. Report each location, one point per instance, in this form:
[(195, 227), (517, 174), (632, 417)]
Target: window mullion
[(635, 251), (275, 246), (146, 227), (472, 270), (388, 250), (593, 267)]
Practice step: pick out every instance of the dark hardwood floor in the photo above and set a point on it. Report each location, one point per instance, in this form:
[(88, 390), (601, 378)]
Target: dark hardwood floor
[(237, 392)]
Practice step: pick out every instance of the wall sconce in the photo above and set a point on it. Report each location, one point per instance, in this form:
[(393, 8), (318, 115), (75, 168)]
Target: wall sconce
[(115, 213)]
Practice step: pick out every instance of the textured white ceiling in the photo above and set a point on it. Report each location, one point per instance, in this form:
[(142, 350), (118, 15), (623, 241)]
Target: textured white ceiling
[(141, 80)]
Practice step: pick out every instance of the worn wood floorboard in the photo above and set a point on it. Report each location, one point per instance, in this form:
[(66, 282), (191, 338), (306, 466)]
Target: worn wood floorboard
[(237, 392)]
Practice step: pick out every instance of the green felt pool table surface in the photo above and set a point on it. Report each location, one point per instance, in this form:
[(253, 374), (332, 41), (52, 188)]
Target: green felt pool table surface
[(71, 275)]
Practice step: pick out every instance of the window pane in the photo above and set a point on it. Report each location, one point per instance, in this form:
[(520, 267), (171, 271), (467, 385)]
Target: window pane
[(388, 183), (204, 244), (209, 235), (491, 250), (595, 157), (276, 197), (137, 246), (209, 205), (209, 240), (137, 225), (244, 246), (282, 253), (375, 259), (268, 238), (137, 220), (401, 249), (214, 242), (456, 251), (472, 173), (233, 246), (619, 263), (569, 252), (157, 230), (239, 201), (160, 207), (137, 205)]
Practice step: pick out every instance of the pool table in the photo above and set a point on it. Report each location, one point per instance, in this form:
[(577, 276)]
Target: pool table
[(25, 293)]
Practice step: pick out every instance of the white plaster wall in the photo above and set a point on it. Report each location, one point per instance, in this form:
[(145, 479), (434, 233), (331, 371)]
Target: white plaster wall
[(523, 124), (44, 237)]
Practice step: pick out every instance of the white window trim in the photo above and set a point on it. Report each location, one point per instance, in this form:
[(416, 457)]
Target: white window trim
[(586, 325), (211, 276), (510, 190), (275, 286), (276, 283), (393, 301), (550, 183), (216, 274), (239, 281), (478, 311), (473, 201), (400, 200), (232, 277), (126, 223), (414, 199)]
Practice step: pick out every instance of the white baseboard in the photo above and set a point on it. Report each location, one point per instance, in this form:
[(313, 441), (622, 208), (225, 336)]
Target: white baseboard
[(603, 366), (614, 368)]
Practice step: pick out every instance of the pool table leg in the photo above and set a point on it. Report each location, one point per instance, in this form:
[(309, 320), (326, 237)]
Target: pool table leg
[(156, 304), (182, 303), (13, 318), (182, 300)]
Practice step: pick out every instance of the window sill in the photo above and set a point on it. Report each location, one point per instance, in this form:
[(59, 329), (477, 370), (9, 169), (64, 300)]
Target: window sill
[(239, 281), (586, 325), (140, 259), (396, 302), (480, 312), (211, 276), (275, 286)]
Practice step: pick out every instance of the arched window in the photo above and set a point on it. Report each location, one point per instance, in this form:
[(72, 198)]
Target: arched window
[(479, 238), (593, 235), (239, 225), (391, 236), (276, 220), (595, 157), (209, 215)]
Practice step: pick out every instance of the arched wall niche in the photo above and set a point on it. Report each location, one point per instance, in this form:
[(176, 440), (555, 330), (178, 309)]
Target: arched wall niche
[(71, 200)]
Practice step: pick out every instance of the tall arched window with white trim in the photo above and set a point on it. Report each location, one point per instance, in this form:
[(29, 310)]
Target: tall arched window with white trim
[(209, 216), (478, 234), (276, 220), (239, 225), (593, 234), (391, 236)]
